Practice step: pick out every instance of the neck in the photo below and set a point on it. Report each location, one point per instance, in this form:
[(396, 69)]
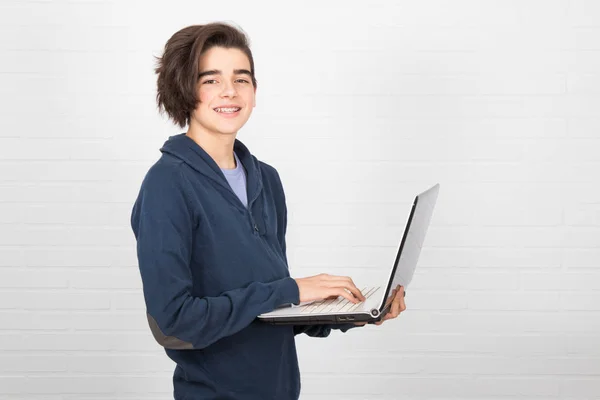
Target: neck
[(218, 146)]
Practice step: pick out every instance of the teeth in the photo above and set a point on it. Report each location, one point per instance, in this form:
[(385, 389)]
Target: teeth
[(227, 110)]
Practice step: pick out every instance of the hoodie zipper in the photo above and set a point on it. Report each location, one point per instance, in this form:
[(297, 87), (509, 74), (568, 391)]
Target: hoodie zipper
[(262, 240), (254, 225)]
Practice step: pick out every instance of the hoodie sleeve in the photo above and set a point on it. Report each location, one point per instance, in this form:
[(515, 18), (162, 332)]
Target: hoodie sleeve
[(163, 223), (310, 330)]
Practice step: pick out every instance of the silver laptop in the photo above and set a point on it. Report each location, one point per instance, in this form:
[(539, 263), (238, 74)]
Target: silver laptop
[(378, 299)]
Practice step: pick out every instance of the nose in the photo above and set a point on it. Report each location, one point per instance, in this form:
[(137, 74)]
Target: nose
[(228, 89)]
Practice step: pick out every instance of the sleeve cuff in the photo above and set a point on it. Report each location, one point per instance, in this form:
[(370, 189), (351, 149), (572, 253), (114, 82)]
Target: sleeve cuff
[(290, 294)]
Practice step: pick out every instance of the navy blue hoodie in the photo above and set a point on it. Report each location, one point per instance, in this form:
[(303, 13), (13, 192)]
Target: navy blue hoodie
[(209, 267)]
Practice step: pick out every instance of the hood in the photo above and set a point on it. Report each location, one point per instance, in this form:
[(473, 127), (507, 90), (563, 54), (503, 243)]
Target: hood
[(187, 150)]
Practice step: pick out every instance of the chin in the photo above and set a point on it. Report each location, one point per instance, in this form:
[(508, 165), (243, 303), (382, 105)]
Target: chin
[(226, 131), (229, 129)]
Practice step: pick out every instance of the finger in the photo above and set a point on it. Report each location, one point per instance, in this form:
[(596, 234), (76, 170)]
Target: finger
[(362, 297), (353, 288), (356, 292), (344, 293), (402, 291), (339, 278), (395, 309), (398, 301), (344, 283), (402, 304), (391, 297), (401, 301)]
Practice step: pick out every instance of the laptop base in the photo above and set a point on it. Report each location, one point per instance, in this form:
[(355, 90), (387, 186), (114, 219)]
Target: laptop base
[(325, 319)]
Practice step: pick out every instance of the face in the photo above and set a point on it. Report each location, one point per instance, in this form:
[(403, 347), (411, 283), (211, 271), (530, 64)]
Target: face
[(225, 90)]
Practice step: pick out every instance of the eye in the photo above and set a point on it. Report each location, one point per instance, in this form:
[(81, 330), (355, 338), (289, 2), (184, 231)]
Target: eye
[(209, 81), (243, 81)]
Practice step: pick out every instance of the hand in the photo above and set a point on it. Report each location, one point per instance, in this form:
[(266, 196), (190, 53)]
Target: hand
[(398, 305), (320, 287)]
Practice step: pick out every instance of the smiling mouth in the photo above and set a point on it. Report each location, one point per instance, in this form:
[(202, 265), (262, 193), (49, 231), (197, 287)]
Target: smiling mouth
[(227, 110)]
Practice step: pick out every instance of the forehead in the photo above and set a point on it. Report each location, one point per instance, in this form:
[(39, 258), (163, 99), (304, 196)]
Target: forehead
[(224, 59)]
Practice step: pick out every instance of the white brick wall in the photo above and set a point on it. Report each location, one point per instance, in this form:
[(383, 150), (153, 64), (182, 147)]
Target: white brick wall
[(497, 100)]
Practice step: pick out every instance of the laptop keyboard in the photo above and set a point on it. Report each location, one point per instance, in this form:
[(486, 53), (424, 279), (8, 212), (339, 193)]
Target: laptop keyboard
[(338, 304)]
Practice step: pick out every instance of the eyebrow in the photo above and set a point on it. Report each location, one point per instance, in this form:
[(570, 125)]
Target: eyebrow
[(219, 72)]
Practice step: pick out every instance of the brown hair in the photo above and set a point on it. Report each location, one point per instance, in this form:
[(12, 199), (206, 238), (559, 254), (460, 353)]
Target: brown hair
[(178, 71)]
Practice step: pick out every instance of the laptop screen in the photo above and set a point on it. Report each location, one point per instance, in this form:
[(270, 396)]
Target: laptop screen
[(412, 240)]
